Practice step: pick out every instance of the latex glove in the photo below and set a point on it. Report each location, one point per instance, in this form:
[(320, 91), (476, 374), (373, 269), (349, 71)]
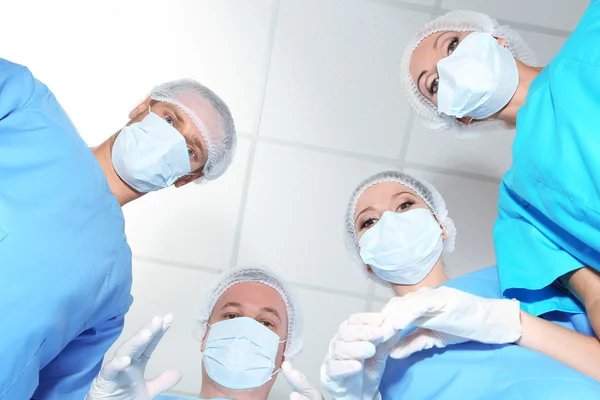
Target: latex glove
[(301, 387), (457, 313), (122, 378), (423, 339), (354, 364)]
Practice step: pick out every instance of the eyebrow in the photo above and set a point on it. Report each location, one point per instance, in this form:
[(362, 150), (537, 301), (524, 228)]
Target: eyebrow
[(232, 304), (363, 211), (272, 311), (401, 193), (420, 76)]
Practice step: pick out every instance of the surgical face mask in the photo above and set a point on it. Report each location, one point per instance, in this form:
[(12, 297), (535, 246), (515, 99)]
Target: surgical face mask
[(403, 247), (478, 79), (240, 353), (150, 154)]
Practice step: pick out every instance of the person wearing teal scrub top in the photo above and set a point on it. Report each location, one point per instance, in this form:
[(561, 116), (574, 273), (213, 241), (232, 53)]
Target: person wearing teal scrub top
[(65, 265), (546, 234)]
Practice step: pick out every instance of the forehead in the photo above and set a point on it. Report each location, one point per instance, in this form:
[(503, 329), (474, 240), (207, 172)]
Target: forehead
[(381, 192), (253, 296)]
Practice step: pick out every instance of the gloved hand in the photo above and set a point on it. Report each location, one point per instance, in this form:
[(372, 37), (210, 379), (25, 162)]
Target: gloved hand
[(122, 378), (302, 389), (355, 362), (423, 339), (457, 313)]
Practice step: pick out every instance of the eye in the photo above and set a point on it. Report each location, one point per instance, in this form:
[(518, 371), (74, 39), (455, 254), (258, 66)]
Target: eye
[(405, 205), (267, 324), (230, 316), (434, 86), (453, 44), (169, 120), (368, 223), (191, 152)]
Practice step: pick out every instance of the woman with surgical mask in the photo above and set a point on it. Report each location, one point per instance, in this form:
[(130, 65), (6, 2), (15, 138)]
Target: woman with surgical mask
[(397, 231), (464, 71)]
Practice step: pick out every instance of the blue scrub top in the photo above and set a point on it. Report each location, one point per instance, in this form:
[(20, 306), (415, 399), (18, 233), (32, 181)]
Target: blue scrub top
[(475, 371), (65, 266), (549, 205)]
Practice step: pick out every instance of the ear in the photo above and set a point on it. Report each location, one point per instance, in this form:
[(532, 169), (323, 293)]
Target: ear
[(184, 180), (465, 120), (143, 106), (501, 41), (444, 233)]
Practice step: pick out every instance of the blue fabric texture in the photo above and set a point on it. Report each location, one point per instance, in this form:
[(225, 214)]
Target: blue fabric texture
[(483, 371), (549, 204), (65, 266)]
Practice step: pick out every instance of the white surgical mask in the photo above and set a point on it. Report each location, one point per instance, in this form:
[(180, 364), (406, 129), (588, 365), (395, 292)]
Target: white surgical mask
[(240, 353), (478, 79), (403, 247), (150, 155)]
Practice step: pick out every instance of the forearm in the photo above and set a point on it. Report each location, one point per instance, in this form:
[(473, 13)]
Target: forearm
[(578, 351)]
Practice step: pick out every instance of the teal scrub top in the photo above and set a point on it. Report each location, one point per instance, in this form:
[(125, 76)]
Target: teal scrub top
[(65, 265), (475, 371), (549, 205)]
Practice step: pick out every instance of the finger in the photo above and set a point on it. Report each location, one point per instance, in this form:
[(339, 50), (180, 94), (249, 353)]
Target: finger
[(419, 339), (421, 306), (374, 319), (351, 350), (298, 381), (359, 333), (338, 369), (135, 346), (163, 382), (112, 368), (167, 321), (297, 396)]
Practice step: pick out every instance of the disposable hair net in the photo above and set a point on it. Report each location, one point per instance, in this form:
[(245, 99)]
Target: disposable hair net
[(424, 189), (459, 21), (258, 274), (211, 116)]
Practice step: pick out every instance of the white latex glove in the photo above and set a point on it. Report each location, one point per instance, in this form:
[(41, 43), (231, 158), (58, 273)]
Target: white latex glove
[(301, 387), (122, 378), (457, 313), (423, 339), (354, 364)]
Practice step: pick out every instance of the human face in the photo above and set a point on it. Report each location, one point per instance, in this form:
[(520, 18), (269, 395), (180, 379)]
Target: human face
[(424, 60), (382, 197), (196, 145), (259, 302)]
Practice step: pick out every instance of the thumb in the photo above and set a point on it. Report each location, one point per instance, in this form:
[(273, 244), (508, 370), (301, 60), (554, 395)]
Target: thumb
[(163, 382), (298, 382), (419, 339)]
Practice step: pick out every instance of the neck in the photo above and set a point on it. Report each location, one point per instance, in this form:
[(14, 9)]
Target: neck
[(436, 277), (210, 389), (526, 75), (119, 189)]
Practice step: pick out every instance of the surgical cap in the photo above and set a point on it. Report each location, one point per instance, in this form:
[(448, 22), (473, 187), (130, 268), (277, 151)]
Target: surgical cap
[(422, 188), (211, 116), (258, 274), (459, 21)]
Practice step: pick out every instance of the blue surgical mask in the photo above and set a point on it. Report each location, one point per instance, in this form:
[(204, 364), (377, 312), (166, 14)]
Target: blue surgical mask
[(240, 353), (150, 155), (478, 79), (403, 247)]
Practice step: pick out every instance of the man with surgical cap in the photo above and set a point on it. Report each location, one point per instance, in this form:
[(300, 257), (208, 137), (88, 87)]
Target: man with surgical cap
[(249, 327), (65, 265)]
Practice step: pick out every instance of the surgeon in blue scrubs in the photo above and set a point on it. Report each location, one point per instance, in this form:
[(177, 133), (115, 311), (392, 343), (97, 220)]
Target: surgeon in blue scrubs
[(447, 338), (464, 72), (65, 265)]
